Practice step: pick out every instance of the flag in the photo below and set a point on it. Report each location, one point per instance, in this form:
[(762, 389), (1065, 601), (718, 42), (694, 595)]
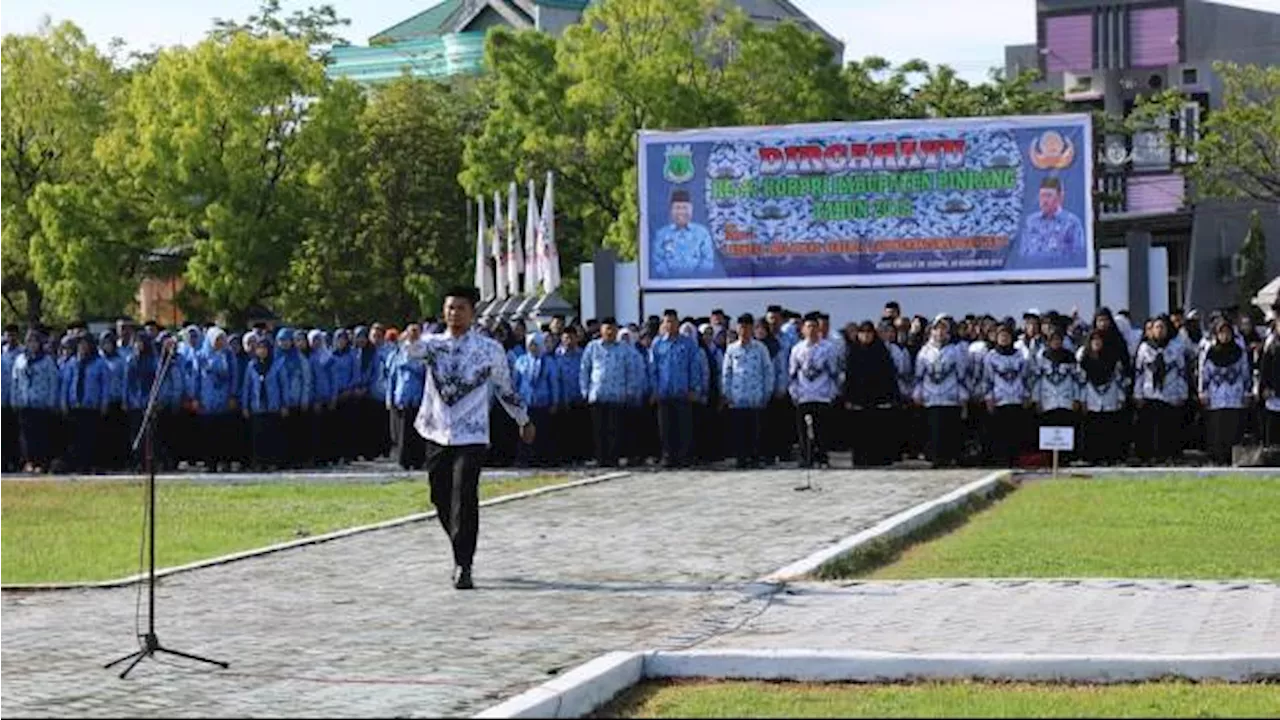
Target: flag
[(499, 254), (532, 275), (515, 254), (484, 278), (548, 258)]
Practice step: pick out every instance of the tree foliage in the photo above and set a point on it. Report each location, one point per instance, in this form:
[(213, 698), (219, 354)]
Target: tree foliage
[(1254, 252), (313, 26), (57, 90)]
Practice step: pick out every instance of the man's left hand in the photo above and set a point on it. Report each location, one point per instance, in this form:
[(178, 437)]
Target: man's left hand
[(527, 433)]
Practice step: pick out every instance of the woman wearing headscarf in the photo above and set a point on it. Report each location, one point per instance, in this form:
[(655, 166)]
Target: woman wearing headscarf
[(1009, 378), (1269, 386), (871, 396), (1105, 391), (539, 387), (941, 391), (37, 399), (84, 404), (407, 380), (1225, 386), (169, 401), (1159, 392), (295, 375), (342, 371), (262, 399), (1057, 389), (213, 400), (139, 375), (323, 398), (368, 412), (709, 432), (113, 446), (187, 445)]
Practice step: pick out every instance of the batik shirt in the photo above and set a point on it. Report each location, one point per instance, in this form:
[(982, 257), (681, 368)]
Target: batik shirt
[(1105, 397), (36, 383), (682, 251), (462, 376), (569, 367), (1050, 241), (813, 373), (902, 366), (1155, 380), (940, 375), (1224, 387), (675, 368), (1057, 385), (607, 373), (1008, 378), (7, 359), (747, 375)]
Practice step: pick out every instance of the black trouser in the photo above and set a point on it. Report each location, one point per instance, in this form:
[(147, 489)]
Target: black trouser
[(1106, 437), (12, 446), (539, 453), (215, 438), (36, 428), (1159, 431), (606, 422), (267, 439), (675, 424), (1271, 427), (298, 439), (410, 449), (744, 434), (454, 473), (504, 437), (642, 430), (708, 432), (573, 431), (945, 434), (1223, 430), (1006, 434), (810, 426), (323, 442), (112, 447), (874, 438), (84, 426), (780, 428)]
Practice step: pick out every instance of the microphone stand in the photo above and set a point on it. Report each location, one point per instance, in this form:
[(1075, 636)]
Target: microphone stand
[(813, 454), (150, 643)]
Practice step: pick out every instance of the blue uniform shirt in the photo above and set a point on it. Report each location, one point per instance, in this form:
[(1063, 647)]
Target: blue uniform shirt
[(747, 375), (675, 367), (569, 367), (408, 378), (1053, 241), (537, 380), (36, 382), (682, 251), (91, 394), (606, 374)]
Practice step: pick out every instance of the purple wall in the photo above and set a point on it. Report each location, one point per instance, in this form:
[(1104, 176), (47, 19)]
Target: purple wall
[(1155, 193), (1154, 34), (1068, 41)]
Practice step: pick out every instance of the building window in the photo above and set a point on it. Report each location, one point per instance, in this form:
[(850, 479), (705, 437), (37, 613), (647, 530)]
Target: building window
[(1190, 76), (1187, 128)]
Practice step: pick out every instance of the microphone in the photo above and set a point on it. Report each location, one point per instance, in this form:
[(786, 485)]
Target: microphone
[(808, 422)]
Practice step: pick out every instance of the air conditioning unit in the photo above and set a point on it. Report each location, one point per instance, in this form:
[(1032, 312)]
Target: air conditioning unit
[(1143, 81), (1079, 86), (1192, 78)]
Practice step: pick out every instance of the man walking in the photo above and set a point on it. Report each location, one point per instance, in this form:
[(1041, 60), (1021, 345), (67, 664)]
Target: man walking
[(464, 370)]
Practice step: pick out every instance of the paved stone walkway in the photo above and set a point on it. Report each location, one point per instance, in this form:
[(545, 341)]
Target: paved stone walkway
[(1033, 616), (369, 626)]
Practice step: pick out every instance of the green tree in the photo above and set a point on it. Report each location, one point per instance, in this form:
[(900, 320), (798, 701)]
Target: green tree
[(1254, 253), (57, 91), (392, 231), (314, 26), (205, 147)]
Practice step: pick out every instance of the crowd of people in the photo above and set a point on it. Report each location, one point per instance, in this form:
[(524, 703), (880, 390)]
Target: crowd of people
[(677, 390)]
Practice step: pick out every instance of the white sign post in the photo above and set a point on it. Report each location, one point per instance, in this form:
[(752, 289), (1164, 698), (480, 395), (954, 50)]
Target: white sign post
[(1057, 439)]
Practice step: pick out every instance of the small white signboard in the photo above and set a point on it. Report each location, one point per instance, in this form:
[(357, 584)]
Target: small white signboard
[(1058, 438)]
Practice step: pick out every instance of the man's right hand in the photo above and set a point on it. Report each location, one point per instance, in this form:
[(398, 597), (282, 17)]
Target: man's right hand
[(527, 433)]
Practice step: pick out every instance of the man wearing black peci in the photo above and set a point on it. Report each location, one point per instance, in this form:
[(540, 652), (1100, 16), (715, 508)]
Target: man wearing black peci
[(464, 370)]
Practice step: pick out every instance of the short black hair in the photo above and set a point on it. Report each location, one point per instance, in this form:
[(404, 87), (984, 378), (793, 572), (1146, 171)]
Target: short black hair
[(670, 312), (465, 292), (774, 309), (892, 305), (824, 316), (717, 311), (609, 321), (746, 319), (811, 317), (679, 196), (10, 327), (1051, 183)]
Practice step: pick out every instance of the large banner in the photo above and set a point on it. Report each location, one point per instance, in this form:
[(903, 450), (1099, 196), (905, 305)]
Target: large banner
[(863, 204)]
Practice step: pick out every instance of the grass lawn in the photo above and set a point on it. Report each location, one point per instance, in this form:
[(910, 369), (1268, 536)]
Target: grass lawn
[(74, 531), (1206, 528), (960, 699)]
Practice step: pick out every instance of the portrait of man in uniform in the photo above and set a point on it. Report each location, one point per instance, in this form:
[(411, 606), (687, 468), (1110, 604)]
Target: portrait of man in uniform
[(683, 248), (1051, 237)]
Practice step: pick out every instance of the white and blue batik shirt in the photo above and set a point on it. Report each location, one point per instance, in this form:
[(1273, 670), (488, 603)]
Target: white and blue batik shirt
[(1049, 241), (679, 251), (462, 375)]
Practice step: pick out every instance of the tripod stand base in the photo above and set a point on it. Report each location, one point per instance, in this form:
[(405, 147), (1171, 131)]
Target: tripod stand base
[(150, 646)]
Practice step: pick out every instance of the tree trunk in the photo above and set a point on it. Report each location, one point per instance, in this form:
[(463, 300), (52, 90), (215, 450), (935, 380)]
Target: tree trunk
[(35, 303)]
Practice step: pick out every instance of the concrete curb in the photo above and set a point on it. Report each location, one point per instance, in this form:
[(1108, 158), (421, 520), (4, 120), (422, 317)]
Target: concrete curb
[(590, 686), (303, 542), (338, 477), (892, 527), (1147, 473), (577, 692)]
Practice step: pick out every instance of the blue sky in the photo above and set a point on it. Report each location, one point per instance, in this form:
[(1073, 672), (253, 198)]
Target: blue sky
[(939, 31)]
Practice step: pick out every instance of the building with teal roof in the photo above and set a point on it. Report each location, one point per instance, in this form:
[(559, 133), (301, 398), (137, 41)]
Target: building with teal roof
[(447, 38)]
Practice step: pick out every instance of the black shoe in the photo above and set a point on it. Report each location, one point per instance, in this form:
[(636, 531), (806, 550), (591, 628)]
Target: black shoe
[(462, 578)]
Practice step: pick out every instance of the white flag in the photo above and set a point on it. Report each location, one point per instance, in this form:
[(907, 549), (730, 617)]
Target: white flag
[(499, 253), (532, 267), (548, 258), (515, 253), (484, 278)]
